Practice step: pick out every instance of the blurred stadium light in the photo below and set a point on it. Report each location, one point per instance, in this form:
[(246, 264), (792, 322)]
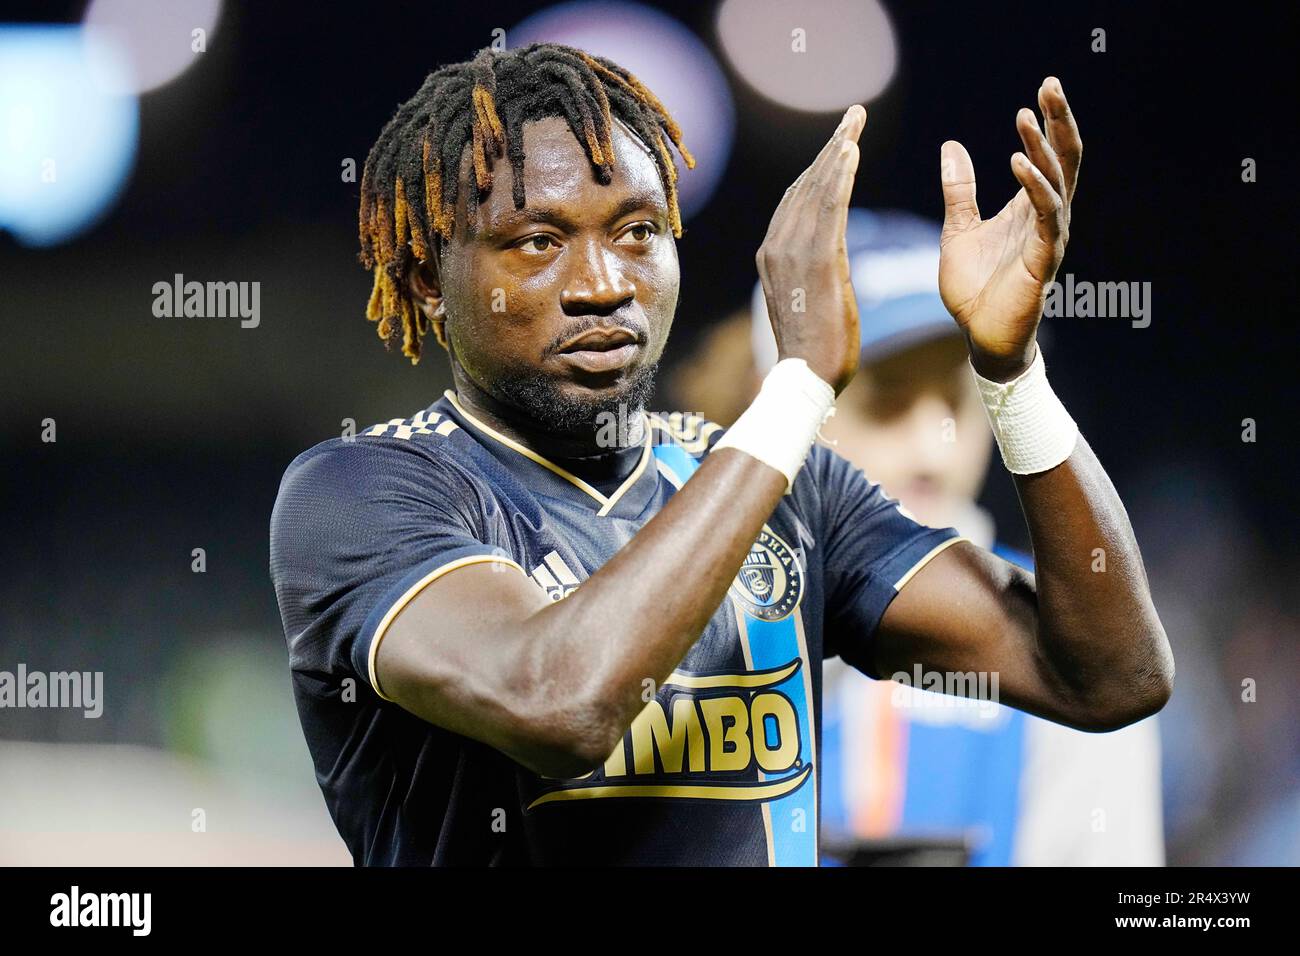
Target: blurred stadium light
[(818, 56), (67, 142), (157, 40), (669, 59)]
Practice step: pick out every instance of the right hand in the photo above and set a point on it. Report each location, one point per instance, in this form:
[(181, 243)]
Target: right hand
[(803, 263)]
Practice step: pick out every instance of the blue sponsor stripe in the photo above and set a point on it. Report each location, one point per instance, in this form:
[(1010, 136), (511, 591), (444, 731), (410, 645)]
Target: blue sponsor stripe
[(794, 816), (676, 458), (773, 644)]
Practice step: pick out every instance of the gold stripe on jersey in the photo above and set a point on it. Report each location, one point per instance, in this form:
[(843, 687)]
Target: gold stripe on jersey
[(750, 679), (768, 790), (930, 556), (606, 503), (674, 479)]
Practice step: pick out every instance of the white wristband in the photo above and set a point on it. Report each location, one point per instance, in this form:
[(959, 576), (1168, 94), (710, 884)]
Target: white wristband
[(781, 423), (1032, 427)]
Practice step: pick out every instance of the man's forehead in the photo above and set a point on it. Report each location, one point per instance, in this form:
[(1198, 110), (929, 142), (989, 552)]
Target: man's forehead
[(632, 134), (556, 166), (557, 128)]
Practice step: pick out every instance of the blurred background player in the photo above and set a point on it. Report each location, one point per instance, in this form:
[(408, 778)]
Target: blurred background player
[(913, 776)]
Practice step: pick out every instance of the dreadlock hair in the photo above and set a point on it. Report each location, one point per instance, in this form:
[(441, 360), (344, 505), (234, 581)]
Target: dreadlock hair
[(411, 179)]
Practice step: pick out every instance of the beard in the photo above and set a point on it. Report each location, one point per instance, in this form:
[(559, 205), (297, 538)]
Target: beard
[(541, 398)]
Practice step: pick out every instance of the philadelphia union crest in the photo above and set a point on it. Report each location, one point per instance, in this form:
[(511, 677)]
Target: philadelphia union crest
[(770, 582)]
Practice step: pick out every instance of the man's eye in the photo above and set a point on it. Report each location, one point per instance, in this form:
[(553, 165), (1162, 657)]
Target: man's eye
[(639, 232), (538, 243)]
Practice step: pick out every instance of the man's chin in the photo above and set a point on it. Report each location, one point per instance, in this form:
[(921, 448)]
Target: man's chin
[(578, 409)]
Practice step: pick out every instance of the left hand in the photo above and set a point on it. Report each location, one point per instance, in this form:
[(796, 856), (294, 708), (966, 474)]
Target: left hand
[(994, 273)]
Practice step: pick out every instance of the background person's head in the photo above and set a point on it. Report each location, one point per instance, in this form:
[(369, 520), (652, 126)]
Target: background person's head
[(912, 417)]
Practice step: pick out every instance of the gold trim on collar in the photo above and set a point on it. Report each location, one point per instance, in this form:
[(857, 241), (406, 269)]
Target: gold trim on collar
[(606, 503)]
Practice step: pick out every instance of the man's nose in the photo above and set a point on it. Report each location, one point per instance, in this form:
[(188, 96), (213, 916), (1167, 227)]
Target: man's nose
[(595, 284)]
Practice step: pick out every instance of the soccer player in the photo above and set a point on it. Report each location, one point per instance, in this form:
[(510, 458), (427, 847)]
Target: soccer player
[(534, 623)]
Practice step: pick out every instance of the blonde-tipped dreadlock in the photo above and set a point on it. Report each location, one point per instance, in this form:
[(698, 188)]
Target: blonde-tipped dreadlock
[(411, 178)]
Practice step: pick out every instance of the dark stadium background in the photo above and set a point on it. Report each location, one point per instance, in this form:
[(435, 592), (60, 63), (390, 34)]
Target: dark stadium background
[(173, 434)]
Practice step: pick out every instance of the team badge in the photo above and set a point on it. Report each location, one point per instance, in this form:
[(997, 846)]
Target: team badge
[(770, 582)]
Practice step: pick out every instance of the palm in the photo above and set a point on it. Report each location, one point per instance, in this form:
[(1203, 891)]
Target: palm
[(994, 273), (993, 277)]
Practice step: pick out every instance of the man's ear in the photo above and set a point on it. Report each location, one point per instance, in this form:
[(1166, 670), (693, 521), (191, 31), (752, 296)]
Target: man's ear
[(425, 284)]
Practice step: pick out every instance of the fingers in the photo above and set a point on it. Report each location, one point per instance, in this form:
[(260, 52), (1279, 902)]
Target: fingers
[(820, 214), (1047, 203), (848, 169), (957, 175), (1038, 150), (1062, 132), (854, 121), (849, 129), (836, 150)]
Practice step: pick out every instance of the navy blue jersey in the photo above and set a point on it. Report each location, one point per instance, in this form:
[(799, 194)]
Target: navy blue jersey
[(720, 768)]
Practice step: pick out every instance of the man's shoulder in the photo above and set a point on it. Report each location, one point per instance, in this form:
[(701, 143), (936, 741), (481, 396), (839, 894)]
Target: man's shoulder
[(697, 435), (689, 431), (400, 450)]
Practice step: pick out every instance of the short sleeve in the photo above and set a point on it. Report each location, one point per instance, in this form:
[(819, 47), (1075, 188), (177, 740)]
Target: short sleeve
[(873, 547), (359, 529)]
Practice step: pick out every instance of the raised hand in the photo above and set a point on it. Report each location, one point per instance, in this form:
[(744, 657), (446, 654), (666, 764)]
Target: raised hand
[(994, 273), (804, 266)]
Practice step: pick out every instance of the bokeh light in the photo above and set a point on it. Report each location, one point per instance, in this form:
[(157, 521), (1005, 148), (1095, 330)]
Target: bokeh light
[(67, 143), (818, 56), (666, 56), (157, 40)]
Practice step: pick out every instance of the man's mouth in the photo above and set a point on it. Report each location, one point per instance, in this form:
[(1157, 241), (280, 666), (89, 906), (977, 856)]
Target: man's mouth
[(601, 350)]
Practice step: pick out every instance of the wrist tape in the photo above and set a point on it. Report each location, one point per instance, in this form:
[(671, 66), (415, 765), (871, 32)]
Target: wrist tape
[(781, 423), (1033, 430)]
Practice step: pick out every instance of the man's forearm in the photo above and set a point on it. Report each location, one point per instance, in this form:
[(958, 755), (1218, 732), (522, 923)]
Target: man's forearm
[(1097, 627), (638, 615)]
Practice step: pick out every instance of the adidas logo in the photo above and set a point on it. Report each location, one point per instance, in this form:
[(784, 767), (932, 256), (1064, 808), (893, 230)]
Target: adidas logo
[(555, 578)]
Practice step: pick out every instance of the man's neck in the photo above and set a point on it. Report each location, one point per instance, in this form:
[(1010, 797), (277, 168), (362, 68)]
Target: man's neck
[(519, 426)]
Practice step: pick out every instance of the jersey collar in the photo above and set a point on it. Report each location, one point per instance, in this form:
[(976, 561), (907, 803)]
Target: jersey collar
[(628, 500)]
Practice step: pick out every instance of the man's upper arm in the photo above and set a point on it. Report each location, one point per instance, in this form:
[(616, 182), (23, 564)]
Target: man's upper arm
[(359, 528), (874, 547), (971, 611), (901, 594), (456, 654)]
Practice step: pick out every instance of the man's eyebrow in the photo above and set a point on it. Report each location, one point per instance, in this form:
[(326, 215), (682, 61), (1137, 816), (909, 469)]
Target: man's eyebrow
[(552, 216)]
